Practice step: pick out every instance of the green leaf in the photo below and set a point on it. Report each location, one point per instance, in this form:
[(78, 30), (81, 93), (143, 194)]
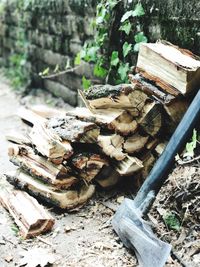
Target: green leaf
[(77, 60), (85, 83), (139, 38), (99, 71), (44, 72), (123, 71), (190, 146), (126, 48), (101, 14), (138, 11), (126, 27), (127, 15), (91, 54), (56, 68), (172, 221), (114, 58)]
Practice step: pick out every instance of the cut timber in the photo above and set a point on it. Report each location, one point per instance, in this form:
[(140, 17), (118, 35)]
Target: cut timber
[(123, 96), (64, 199), (160, 148), (173, 69), (74, 130), (112, 146), (47, 112), (150, 89), (108, 178), (129, 166), (41, 168), (148, 162), (120, 121), (175, 111), (31, 218), (49, 144), (135, 143), (151, 118), (30, 116), (18, 138), (88, 165)]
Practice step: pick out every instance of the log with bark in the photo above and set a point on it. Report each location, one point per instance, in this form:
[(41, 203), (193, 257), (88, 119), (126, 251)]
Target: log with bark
[(64, 199), (73, 130), (123, 96), (31, 217), (88, 164), (135, 143), (175, 70), (26, 158)]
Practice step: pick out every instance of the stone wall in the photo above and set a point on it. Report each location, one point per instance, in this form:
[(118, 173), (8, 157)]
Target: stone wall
[(51, 32)]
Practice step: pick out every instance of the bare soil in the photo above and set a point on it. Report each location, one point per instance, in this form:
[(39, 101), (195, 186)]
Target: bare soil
[(85, 237)]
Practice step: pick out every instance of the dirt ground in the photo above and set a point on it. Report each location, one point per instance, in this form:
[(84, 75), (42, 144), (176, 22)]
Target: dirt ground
[(84, 237)]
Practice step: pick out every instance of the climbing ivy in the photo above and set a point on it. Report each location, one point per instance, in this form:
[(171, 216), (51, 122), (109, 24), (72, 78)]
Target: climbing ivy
[(112, 59)]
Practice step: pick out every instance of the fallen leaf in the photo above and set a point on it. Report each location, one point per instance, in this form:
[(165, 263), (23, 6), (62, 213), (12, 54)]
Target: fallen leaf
[(8, 258), (36, 257)]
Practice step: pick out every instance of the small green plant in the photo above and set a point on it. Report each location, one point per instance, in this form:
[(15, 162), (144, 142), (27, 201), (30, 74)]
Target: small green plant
[(190, 146), (15, 229), (172, 222), (113, 64)]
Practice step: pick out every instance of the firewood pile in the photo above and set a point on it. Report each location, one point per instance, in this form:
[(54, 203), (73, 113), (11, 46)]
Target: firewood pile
[(121, 132)]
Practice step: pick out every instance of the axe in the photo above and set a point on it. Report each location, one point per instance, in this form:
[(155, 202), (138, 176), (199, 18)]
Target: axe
[(132, 229)]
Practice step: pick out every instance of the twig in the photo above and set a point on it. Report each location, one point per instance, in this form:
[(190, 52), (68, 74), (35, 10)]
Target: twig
[(178, 258), (44, 241), (189, 161), (71, 70)]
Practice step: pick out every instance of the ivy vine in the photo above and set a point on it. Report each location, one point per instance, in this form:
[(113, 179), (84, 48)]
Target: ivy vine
[(112, 59)]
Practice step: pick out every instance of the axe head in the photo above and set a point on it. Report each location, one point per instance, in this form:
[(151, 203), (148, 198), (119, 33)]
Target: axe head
[(136, 234)]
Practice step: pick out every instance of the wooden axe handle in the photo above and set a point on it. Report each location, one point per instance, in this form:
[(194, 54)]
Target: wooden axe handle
[(161, 169)]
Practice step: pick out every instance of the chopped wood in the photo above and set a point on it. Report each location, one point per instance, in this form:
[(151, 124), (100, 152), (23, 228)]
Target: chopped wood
[(135, 143), (173, 69), (160, 148), (129, 165), (39, 167), (148, 162), (64, 199), (29, 116), (18, 138), (112, 146), (151, 118), (73, 130), (152, 143), (120, 121), (88, 165), (175, 111), (31, 217), (120, 96), (47, 112), (150, 89), (49, 144), (111, 178)]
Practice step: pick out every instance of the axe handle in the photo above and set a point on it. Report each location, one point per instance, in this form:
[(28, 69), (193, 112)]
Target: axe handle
[(161, 169)]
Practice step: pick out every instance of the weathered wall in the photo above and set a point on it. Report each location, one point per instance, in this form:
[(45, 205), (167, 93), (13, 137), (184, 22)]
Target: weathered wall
[(51, 32)]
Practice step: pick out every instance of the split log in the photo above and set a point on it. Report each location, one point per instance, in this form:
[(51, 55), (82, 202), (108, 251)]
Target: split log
[(64, 199), (31, 217), (152, 143), (135, 143), (29, 116), (148, 162), (120, 121), (161, 62), (88, 165), (160, 148), (39, 167), (112, 146), (108, 177), (123, 96), (129, 165), (175, 111), (138, 81), (74, 130), (151, 118), (18, 138), (49, 144)]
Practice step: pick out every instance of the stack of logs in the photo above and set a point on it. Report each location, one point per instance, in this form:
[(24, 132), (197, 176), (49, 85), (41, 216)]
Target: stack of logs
[(121, 132)]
